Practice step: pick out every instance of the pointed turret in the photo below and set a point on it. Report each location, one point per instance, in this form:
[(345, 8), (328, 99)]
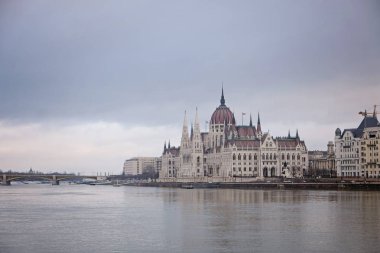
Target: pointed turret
[(185, 133), (258, 123), (169, 145), (165, 146), (374, 112), (297, 136), (289, 134), (196, 121), (222, 100), (197, 140), (191, 132), (250, 120)]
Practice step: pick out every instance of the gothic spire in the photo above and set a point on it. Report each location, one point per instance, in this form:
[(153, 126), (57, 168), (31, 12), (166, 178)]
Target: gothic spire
[(196, 121), (169, 145), (289, 133), (250, 120), (222, 100), (374, 112), (258, 123), (191, 132), (297, 136), (185, 132)]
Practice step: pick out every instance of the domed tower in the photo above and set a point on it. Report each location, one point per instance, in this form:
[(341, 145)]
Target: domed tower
[(330, 148), (338, 132), (221, 118)]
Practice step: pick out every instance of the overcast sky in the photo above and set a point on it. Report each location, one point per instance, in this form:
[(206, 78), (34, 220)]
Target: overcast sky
[(85, 85)]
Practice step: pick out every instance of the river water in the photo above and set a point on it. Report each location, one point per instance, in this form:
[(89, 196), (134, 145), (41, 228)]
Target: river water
[(83, 218)]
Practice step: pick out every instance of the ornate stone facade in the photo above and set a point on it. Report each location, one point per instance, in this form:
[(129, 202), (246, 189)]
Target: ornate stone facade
[(229, 151), (370, 152), (322, 163), (357, 149)]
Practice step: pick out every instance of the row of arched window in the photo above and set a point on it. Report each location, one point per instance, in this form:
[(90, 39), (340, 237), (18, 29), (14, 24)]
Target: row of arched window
[(293, 157), (265, 157), (244, 157), (269, 156)]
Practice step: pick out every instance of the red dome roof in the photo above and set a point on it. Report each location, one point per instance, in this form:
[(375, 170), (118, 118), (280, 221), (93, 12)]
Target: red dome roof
[(222, 114)]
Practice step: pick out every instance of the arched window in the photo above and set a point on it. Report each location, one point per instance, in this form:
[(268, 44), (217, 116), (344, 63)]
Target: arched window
[(255, 157), (293, 157), (283, 156), (266, 157), (298, 156), (198, 159), (244, 157), (250, 157), (263, 156), (234, 157), (239, 157), (274, 156), (270, 157), (288, 156)]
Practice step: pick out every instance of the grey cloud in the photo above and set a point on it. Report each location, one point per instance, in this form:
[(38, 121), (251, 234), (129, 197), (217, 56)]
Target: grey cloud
[(146, 61)]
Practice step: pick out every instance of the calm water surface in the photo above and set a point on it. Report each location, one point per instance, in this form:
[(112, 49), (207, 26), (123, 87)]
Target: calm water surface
[(81, 218)]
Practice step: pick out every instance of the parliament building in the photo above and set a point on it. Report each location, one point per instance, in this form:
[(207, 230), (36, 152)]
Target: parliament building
[(230, 152)]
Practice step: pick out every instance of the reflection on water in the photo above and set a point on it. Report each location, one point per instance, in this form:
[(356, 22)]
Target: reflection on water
[(77, 218)]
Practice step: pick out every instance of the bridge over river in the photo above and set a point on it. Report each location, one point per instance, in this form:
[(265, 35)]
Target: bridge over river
[(54, 178)]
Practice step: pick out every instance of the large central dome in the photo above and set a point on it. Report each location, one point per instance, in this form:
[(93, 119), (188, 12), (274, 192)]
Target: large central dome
[(222, 114)]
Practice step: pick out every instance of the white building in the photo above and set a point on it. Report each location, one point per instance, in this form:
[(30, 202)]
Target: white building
[(348, 147), (370, 152), (139, 165), (229, 151)]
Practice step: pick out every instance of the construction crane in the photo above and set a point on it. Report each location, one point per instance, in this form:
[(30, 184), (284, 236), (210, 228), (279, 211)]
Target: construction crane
[(365, 113)]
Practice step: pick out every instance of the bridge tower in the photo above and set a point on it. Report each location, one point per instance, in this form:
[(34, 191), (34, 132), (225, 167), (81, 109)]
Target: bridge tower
[(55, 181), (5, 182)]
